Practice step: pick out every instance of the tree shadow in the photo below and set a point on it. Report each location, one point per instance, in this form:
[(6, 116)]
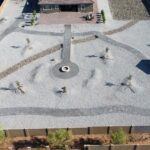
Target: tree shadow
[(11, 88), (91, 56), (1, 1), (34, 143), (147, 5), (144, 65), (30, 6), (79, 143)]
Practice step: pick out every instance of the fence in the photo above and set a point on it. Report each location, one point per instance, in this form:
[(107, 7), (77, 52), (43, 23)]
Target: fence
[(3, 5), (117, 147), (96, 147), (76, 131), (83, 131)]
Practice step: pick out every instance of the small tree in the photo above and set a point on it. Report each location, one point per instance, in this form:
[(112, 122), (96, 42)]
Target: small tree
[(28, 41), (118, 136), (58, 138), (103, 16), (2, 135), (33, 17), (34, 13)]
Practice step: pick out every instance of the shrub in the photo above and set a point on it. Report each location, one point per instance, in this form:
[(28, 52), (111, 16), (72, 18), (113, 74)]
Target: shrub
[(34, 13), (103, 16), (58, 138), (2, 135), (118, 136)]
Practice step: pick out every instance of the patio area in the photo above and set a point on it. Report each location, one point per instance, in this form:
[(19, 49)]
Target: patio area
[(67, 17)]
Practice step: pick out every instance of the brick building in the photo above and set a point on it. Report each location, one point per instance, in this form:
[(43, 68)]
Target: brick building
[(48, 6)]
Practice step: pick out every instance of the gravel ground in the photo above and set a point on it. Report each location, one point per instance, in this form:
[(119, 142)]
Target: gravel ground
[(128, 9)]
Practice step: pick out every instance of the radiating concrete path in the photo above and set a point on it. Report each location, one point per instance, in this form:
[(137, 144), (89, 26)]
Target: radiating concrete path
[(30, 59), (127, 109), (74, 69), (122, 28), (11, 29), (76, 112), (27, 61)]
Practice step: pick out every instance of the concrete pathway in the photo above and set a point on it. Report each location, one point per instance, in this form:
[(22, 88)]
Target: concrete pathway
[(9, 30), (44, 111), (122, 28), (66, 62), (27, 61)]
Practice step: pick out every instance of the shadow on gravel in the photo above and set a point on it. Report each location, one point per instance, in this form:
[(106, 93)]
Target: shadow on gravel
[(30, 6), (147, 5), (144, 65), (1, 1)]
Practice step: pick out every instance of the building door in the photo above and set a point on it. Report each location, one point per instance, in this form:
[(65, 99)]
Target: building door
[(72, 8)]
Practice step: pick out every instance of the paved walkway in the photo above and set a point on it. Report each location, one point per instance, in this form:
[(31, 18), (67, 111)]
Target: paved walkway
[(28, 60), (72, 112), (113, 42), (73, 68), (11, 29), (67, 62), (44, 111), (122, 28)]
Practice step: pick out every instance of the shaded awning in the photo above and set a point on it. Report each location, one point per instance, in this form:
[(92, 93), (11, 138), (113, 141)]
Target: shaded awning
[(65, 2)]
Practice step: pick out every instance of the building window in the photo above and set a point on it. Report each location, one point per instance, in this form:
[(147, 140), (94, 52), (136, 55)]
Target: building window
[(46, 7), (82, 7), (56, 7)]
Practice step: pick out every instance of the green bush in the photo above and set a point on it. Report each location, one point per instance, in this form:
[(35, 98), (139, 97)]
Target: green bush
[(34, 13), (58, 138), (118, 136), (2, 135), (33, 17), (103, 16)]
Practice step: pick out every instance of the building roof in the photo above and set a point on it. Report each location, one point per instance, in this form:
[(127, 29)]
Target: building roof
[(65, 2)]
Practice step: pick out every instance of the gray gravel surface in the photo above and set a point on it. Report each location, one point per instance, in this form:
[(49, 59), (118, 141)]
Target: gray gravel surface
[(128, 9)]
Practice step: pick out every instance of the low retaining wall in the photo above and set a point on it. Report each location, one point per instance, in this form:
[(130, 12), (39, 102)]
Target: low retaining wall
[(29, 148), (95, 147), (77, 131), (3, 5), (117, 147)]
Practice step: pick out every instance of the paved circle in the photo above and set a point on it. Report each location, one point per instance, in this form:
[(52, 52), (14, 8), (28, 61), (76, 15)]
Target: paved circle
[(74, 69)]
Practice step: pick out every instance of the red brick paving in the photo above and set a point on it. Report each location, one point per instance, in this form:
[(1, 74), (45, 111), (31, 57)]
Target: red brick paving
[(67, 17)]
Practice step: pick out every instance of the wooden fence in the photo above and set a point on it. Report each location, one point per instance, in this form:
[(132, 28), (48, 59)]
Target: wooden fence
[(95, 147), (83, 131), (117, 147), (76, 131)]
